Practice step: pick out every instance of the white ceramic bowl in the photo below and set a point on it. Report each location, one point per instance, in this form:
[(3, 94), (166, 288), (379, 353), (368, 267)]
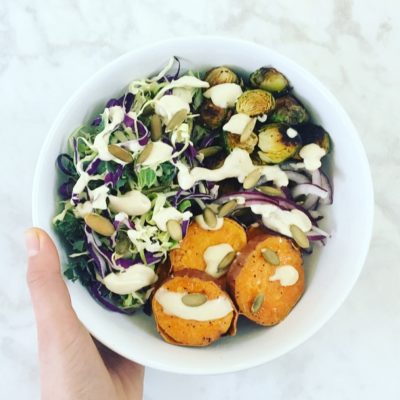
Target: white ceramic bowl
[(330, 272)]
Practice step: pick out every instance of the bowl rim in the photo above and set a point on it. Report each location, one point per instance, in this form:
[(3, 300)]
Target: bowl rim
[(368, 195)]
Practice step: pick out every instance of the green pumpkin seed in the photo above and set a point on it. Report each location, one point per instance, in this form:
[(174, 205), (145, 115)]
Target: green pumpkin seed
[(209, 217), (174, 229), (194, 299), (270, 190), (248, 130), (99, 224), (123, 243), (144, 155), (257, 303), (176, 120), (227, 208), (226, 261), (155, 128), (252, 178), (299, 237), (120, 153), (210, 151), (270, 256)]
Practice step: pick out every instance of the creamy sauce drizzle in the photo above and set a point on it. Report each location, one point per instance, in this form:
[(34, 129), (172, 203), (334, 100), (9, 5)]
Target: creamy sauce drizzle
[(238, 165), (131, 203), (224, 95), (280, 220), (171, 303), (129, 281), (287, 275), (165, 214), (292, 133), (160, 153), (312, 154), (169, 105), (213, 256), (237, 123), (200, 220)]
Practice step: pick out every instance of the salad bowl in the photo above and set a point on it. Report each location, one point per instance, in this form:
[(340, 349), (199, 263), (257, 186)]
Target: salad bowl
[(330, 273)]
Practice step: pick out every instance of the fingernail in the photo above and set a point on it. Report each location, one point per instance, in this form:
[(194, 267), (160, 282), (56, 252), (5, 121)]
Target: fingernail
[(32, 242)]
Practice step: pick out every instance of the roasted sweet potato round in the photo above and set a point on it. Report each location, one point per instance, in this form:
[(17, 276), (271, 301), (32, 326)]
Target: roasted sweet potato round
[(255, 283), (192, 332), (197, 240)]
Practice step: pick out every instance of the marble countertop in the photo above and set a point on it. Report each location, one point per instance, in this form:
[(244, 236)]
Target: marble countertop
[(47, 49)]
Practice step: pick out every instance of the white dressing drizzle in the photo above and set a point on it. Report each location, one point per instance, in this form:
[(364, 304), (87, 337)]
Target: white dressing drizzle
[(131, 203), (162, 216), (167, 106), (98, 197), (238, 165), (214, 255), (292, 133), (186, 81), (200, 221), (224, 95), (160, 153), (280, 220), (312, 154), (287, 275), (132, 279), (237, 123), (171, 303), (82, 209)]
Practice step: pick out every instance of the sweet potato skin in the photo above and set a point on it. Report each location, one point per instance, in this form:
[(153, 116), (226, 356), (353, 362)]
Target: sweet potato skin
[(197, 240), (249, 275), (183, 332)]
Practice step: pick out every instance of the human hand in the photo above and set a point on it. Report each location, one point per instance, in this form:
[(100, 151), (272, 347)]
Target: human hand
[(72, 364)]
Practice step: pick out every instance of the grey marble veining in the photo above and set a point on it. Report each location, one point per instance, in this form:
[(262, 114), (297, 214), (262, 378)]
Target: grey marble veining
[(47, 49)]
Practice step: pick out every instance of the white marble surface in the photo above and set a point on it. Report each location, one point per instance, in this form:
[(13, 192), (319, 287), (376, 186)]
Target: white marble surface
[(48, 48)]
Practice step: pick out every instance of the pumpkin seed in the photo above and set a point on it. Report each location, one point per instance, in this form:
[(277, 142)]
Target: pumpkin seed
[(257, 303), (210, 151), (209, 217), (248, 130), (123, 243), (270, 190), (176, 120), (155, 127), (252, 178), (299, 237), (99, 224), (227, 208), (144, 155), (120, 153), (174, 229), (226, 261), (194, 299), (270, 256)]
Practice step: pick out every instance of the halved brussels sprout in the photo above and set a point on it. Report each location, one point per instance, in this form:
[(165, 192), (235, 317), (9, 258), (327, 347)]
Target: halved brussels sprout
[(269, 79), (255, 102), (311, 133), (289, 110), (213, 116), (219, 75), (232, 141), (275, 144)]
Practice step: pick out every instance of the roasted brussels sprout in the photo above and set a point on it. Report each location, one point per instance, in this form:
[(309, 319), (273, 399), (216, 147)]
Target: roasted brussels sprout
[(276, 145), (269, 79), (219, 75), (255, 102), (232, 140), (311, 133), (289, 110), (213, 116)]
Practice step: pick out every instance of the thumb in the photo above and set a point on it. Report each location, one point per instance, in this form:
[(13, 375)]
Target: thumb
[(50, 297)]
